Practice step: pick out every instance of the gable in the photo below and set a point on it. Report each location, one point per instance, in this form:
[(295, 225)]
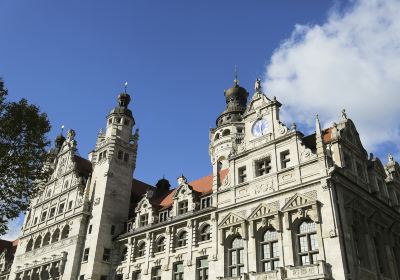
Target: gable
[(230, 220), (298, 200), (261, 211)]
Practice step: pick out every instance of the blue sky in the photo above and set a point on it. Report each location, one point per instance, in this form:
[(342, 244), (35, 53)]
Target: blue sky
[(72, 58), (317, 56)]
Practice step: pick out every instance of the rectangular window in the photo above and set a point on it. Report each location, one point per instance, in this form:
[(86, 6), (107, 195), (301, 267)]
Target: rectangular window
[(347, 161), (126, 157), (119, 277), (263, 166), (206, 202), (242, 174), (183, 207), (120, 154), (43, 218), (52, 212), (178, 271), (106, 254), (202, 269), (85, 255), (144, 220), (61, 207), (70, 205), (137, 275), (90, 229), (156, 273), (103, 277), (35, 221), (285, 159), (163, 216)]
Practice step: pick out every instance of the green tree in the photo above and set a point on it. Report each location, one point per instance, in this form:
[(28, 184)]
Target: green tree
[(23, 155)]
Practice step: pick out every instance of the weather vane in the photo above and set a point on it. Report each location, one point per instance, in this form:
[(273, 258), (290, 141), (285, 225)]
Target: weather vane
[(126, 86), (236, 76), (62, 129)]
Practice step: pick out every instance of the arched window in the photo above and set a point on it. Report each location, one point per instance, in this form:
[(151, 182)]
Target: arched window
[(307, 243), (236, 257), (65, 232), (182, 239), (124, 253), (216, 136), (269, 253), (141, 249), (38, 242), (29, 245), (160, 244), (226, 132), (205, 233), (46, 239), (55, 236)]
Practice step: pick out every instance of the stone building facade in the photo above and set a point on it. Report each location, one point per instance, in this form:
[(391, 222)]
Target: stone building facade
[(278, 205)]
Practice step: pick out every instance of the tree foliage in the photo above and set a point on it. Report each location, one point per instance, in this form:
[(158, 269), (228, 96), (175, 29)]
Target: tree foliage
[(23, 155)]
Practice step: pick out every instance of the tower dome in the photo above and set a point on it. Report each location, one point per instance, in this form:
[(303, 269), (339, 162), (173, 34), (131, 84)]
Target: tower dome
[(123, 101), (236, 100)]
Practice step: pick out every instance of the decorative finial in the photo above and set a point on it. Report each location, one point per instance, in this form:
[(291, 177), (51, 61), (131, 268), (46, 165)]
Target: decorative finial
[(390, 158), (344, 115), (236, 81), (126, 86), (62, 129), (257, 86)]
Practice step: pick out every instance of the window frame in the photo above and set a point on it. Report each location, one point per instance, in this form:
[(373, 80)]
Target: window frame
[(310, 252), (85, 256), (285, 159), (178, 275), (242, 174), (263, 166), (206, 202), (183, 207), (273, 255), (106, 255), (205, 236), (239, 251), (153, 275), (182, 239), (141, 249), (202, 271)]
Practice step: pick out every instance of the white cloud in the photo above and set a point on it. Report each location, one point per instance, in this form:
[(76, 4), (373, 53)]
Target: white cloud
[(351, 61)]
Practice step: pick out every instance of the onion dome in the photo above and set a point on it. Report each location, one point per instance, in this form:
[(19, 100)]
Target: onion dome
[(163, 186), (59, 141), (236, 100), (123, 101)]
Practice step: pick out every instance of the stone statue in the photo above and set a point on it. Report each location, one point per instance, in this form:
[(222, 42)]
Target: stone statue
[(257, 85), (70, 135)]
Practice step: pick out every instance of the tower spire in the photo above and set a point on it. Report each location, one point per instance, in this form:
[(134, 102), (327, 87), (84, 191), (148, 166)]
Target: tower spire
[(236, 81)]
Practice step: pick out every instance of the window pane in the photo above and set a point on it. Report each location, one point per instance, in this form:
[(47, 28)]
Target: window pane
[(241, 256), (267, 266), (276, 264), (314, 258), (233, 271), (275, 250), (303, 244), (314, 241), (307, 226), (270, 235), (233, 258), (204, 263), (305, 259), (266, 251)]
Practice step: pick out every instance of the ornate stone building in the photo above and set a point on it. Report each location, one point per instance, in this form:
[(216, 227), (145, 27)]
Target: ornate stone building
[(278, 205)]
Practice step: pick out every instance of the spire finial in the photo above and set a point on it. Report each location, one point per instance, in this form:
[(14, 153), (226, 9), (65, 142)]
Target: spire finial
[(62, 129), (344, 115), (236, 76), (126, 86)]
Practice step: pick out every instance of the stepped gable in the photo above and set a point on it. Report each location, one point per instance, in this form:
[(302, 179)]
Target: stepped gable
[(84, 166)]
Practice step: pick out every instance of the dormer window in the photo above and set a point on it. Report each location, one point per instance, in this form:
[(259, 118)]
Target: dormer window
[(206, 202), (144, 220), (163, 216), (183, 207)]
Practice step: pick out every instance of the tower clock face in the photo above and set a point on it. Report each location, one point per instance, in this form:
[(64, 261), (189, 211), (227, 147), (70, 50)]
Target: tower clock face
[(260, 127)]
